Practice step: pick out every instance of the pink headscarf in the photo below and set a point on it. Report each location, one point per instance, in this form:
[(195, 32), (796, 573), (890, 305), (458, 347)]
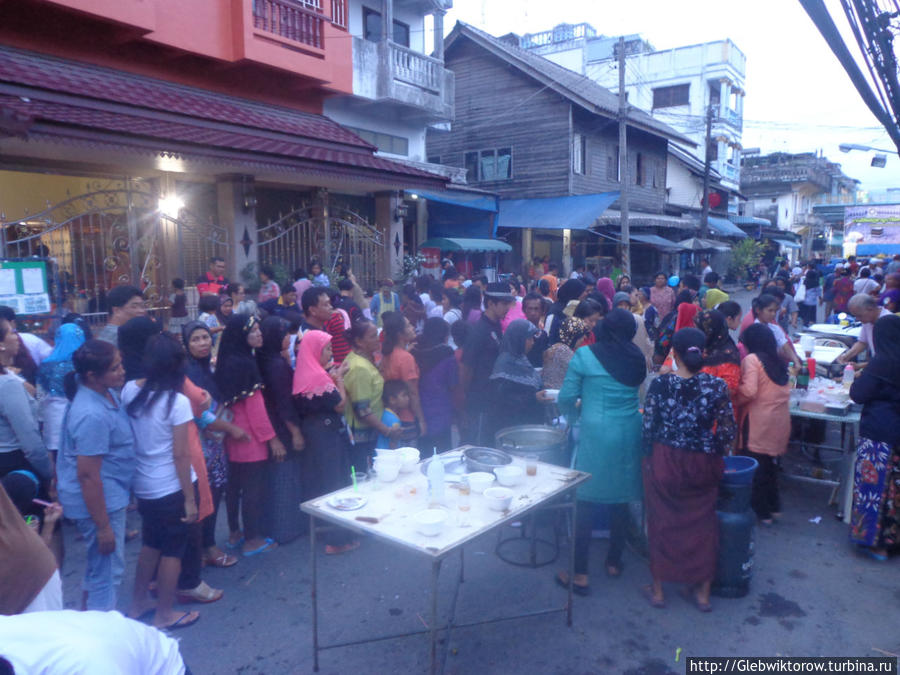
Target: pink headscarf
[(310, 378), (606, 287)]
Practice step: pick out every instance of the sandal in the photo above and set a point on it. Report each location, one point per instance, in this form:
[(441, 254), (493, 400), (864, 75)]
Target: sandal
[(182, 621), (223, 560), (267, 545), (203, 593), (872, 553), (691, 599), (345, 548), (562, 579), (654, 602), (234, 545)]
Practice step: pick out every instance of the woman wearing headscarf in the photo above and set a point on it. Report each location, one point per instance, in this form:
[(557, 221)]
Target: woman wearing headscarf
[(688, 426), (51, 374), (720, 355), (320, 398), (605, 377), (714, 297), (198, 342), (514, 380), (875, 520), (764, 399), (567, 299), (572, 334), (285, 490), (438, 382), (134, 336), (607, 289), (241, 383)]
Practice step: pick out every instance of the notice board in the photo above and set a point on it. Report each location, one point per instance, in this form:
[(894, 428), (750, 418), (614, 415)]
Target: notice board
[(24, 287)]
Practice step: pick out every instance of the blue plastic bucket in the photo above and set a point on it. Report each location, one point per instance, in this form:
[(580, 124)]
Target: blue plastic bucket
[(739, 470)]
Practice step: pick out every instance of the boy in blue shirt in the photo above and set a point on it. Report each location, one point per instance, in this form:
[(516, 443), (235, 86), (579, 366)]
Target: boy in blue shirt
[(396, 400)]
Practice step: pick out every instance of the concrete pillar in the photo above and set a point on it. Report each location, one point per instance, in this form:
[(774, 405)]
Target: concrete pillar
[(438, 15), (724, 95), (527, 250), (421, 221), (239, 221), (391, 264), (387, 20), (740, 103), (168, 246), (567, 253)]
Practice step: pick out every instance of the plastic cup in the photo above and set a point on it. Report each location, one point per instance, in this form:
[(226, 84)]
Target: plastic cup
[(531, 462)]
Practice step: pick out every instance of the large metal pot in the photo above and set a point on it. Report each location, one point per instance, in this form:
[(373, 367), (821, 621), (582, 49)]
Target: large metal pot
[(485, 459), (549, 444)]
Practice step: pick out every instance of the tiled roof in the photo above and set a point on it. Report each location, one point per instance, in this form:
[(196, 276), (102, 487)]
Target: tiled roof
[(73, 102), (577, 88)]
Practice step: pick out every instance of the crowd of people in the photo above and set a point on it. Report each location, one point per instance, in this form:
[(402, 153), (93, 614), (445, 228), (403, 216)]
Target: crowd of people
[(269, 401)]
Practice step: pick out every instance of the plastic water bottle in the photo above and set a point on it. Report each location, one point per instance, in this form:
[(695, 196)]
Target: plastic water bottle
[(792, 379), (436, 479), (849, 376)]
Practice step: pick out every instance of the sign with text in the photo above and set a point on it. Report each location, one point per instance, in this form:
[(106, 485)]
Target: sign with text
[(23, 286)]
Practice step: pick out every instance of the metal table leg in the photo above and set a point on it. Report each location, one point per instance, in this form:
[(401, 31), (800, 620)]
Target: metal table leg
[(314, 598), (435, 572), (571, 562), (462, 564)]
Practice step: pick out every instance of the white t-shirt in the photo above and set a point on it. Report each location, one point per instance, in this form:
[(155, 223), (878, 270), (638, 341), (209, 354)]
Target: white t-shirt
[(154, 475), (864, 285), (38, 349), (780, 338), (95, 643)]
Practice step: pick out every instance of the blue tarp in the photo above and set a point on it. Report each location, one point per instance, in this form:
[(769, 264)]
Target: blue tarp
[(467, 244), (787, 243), (725, 227), (875, 249), (468, 200), (576, 212)]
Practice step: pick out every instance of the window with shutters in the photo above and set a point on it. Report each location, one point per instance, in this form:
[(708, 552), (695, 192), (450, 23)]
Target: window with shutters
[(669, 97), (579, 154), (612, 165)]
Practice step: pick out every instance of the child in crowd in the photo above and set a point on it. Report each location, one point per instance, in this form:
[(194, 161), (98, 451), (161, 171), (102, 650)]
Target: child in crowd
[(208, 306), (396, 400), (22, 486), (732, 312), (179, 315)]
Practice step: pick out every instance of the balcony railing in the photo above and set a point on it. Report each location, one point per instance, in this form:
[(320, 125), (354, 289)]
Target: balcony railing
[(339, 13), (294, 20), (734, 118), (417, 69)]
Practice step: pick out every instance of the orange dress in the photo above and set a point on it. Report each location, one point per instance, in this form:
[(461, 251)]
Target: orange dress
[(198, 398)]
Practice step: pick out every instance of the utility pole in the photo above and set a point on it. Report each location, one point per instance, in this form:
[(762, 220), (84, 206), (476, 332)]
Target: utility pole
[(704, 217), (623, 163)]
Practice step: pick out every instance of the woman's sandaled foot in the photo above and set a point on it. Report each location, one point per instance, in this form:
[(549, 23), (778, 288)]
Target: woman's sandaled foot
[(614, 569), (656, 601), (257, 546), (879, 554), (692, 597), (343, 548), (580, 585), (143, 613), (176, 620), (235, 540), (216, 557), (203, 593)]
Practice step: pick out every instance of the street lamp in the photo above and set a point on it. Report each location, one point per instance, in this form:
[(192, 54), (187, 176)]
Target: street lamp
[(847, 147)]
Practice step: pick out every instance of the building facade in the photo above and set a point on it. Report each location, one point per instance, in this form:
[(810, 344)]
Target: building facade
[(677, 86)]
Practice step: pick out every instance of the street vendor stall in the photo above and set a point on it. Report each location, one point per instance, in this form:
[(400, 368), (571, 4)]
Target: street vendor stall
[(391, 512)]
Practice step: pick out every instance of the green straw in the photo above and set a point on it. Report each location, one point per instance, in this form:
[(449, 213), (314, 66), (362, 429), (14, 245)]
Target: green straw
[(353, 476)]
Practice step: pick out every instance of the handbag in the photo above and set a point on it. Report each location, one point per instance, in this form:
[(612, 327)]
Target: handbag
[(800, 295)]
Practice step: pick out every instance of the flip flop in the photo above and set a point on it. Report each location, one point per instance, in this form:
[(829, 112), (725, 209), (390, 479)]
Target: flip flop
[(223, 560), (203, 593), (236, 545), (691, 599), (562, 579), (144, 616), (265, 548), (869, 553), (648, 593), (180, 622)]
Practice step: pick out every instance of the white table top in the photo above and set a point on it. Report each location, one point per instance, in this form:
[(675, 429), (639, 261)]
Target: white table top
[(850, 418), (395, 503)]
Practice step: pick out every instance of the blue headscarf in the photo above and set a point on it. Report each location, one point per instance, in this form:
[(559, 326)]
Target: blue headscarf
[(69, 337)]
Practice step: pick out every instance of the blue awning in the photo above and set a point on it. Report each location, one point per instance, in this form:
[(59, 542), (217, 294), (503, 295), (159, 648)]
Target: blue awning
[(468, 200), (750, 220), (873, 249), (659, 242), (725, 227), (787, 243), (467, 244), (575, 212)]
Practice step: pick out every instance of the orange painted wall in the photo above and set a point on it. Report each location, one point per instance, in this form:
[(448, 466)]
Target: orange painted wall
[(205, 43)]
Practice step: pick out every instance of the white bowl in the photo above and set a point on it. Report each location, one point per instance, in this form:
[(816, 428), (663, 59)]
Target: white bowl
[(498, 498), (479, 481), (387, 470), (409, 459), (509, 475), (387, 453), (430, 522), (552, 394)]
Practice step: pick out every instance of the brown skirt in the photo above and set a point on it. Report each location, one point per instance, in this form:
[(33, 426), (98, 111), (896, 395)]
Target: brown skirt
[(680, 491)]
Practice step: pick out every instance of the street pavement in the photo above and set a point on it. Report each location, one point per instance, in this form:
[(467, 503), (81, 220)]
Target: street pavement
[(811, 595)]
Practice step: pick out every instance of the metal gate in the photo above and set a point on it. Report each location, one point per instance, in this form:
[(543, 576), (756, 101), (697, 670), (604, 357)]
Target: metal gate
[(109, 237), (325, 234)]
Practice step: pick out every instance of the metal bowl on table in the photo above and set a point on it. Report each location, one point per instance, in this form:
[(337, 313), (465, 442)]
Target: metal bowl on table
[(485, 459), (549, 444)]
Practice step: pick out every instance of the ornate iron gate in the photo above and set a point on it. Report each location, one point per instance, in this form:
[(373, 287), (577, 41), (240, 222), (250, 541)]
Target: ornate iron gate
[(113, 236), (323, 233)]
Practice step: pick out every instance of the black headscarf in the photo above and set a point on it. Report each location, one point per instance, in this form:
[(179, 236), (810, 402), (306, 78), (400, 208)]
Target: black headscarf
[(885, 365), (759, 340), (199, 371), (513, 364), (719, 348), (273, 328), (133, 337), (615, 350), (237, 373), (432, 348), (570, 290)]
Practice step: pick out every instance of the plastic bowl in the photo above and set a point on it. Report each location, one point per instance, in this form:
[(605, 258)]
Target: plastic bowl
[(509, 475), (480, 481), (430, 522), (387, 453), (409, 459), (386, 469), (498, 498)]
